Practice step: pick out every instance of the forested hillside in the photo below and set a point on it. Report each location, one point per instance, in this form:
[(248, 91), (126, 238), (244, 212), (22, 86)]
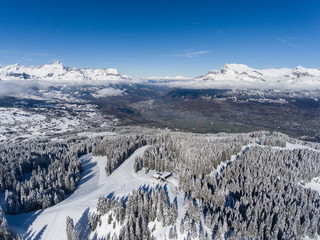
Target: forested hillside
[(220, 186), (228, 186)]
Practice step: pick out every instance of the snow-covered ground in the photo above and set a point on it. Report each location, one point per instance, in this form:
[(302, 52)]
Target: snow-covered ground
[(290, 145), (19, 123), (50, 223)]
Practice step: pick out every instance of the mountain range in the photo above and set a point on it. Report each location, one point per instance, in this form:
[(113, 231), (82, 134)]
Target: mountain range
[(242, 72), (57, 71), (230, 76)]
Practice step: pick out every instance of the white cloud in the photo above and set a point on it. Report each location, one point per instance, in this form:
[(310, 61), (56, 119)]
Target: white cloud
[(189, 54), (234, 84), (285, 41), (108, 92), (169, 78)]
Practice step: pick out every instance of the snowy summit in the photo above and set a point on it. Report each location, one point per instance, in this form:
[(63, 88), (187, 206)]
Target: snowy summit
[(231, 76), (241, 72), (57, 71)]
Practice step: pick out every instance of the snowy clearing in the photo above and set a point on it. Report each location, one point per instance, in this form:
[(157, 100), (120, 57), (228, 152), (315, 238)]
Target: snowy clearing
[(314, 184), (299, 146), (32, 123)]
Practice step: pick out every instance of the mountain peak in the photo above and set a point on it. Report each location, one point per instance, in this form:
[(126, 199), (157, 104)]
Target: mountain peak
[(235, 67), (111, 71), (58, 72), (300, 69), (57, 63), (240, 75)]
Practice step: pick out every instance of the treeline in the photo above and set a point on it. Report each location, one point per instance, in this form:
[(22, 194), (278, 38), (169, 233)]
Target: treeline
[(118, 149)]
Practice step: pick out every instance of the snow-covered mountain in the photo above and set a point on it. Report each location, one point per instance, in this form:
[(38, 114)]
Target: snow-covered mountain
[(57, 71), (231, 76), (240, 76), (241, 72)]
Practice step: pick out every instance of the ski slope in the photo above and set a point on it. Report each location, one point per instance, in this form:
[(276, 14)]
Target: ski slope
[(50, 223)]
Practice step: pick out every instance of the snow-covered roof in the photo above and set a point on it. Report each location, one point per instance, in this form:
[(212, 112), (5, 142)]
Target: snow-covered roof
[(156, 175), (166, 174)]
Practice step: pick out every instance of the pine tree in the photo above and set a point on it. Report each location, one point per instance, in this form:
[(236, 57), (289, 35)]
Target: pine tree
[(182, 227), (5, 231), (71, 232)]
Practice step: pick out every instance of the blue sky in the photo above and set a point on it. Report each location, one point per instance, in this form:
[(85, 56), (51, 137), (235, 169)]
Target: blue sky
[(160, 38)]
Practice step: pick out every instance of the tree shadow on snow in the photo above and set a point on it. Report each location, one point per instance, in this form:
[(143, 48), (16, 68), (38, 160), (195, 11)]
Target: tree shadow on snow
[(125, 199), (86, 178), (38, 236), (110, 196), (82, 226), (95, 237), (87, 164), (146, 188), (87, 174), (24, 221), (31, 235), (87, 168)]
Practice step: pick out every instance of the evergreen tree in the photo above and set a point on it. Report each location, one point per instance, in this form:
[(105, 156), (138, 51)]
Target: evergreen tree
[(71, 232)]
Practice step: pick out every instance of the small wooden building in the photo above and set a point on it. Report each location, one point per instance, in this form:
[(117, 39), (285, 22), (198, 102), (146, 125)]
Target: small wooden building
[(165, 175), (157, 176)]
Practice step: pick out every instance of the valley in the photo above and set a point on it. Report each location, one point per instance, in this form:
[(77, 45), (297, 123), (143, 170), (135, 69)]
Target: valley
[(78, 156)]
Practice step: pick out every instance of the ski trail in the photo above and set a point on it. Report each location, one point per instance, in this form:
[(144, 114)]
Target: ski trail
[(50, 223)]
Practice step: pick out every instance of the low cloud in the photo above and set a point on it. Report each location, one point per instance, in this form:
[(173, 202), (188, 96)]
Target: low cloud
[(241, 85), (169, 78), (12, 87), (18, 87), (108, 92)]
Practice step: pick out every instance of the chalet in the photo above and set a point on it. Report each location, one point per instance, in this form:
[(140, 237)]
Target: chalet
[(165, 175), (157, 176), (162, 176)]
